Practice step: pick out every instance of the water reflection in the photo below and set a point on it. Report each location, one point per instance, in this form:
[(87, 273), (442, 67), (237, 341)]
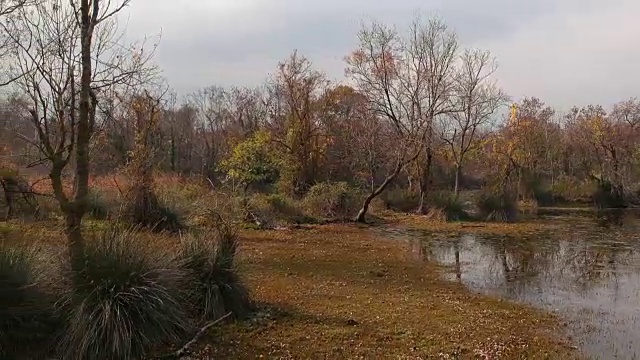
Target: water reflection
[(589, 271)]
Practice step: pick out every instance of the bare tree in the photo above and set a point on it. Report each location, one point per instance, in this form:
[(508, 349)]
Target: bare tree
[(408, 82), (476, 100), (69, 54), (435, 47), (7, 8)]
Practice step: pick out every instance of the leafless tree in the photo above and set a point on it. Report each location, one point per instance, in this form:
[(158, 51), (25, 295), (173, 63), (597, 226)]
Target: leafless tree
[(476, 100), (7, 8), (408, 82), (68, 54)]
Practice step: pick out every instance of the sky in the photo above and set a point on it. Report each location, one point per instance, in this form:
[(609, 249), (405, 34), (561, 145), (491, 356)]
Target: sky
[(566, 52)]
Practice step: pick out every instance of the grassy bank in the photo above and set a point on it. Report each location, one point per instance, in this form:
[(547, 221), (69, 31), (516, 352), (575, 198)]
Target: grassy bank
[(343, 291), (340, 292)]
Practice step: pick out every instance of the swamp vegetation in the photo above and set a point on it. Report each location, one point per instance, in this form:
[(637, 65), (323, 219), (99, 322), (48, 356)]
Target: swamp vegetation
[(304, 218)]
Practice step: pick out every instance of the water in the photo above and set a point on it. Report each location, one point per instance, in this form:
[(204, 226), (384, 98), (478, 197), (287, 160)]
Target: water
[(587, 270)]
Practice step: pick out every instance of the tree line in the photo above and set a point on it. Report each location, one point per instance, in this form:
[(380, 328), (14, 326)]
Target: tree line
[(419, 112)]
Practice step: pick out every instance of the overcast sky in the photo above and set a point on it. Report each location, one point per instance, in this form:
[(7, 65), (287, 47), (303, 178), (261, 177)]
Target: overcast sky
[(563, 51)]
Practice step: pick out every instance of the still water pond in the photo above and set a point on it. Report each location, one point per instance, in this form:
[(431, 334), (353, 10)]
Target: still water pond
[(587, 269)]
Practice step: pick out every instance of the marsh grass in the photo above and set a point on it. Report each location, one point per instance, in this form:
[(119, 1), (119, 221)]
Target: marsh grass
[(208, 259), (26, 316), (497, 207), (445, 208), (124, 302), (144, 209)]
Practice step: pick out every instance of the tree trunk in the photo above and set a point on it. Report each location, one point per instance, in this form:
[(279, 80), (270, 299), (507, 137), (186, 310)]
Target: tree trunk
[(75, 210), (360, 218), (424, 182), (73, 230), (456, 189)]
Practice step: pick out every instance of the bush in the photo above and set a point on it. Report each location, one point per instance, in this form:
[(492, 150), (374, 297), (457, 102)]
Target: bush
[(215, 288), (98, 208), (608, 195), (443, 207), (567, 189), (17, 196), (336, 201), (25, 316), (501, 207), (275, 208), (144, 209), (124, 301), (403, 200)]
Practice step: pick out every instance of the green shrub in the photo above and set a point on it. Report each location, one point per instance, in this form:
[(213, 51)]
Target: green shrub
[(443, 207), (215, 288), (501, 207), (26, 319), (124, 301), (336, 201)]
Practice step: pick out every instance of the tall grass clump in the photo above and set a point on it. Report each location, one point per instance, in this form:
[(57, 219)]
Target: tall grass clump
[(402, 200), (25, 313), (144, 209), (500, 207), (98, 208), (214, 288), (608, 196), (444, 207), (125, 300)]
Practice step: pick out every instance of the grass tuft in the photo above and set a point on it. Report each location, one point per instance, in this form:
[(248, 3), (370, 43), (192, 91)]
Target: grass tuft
[(215, 288), (124, 301), (25, 316), (497, 207), (445, 208), (144, 209)]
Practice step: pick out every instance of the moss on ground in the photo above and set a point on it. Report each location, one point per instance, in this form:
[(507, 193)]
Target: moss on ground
[(341, 291), (338, 292)]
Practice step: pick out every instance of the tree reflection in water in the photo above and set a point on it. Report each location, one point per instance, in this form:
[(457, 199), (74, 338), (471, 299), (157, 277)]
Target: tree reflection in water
[(587, 268)]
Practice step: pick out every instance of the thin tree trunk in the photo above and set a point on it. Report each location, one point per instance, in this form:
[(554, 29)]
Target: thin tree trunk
[(456, 189), (360, 218), (75, 210), (425, 178)]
